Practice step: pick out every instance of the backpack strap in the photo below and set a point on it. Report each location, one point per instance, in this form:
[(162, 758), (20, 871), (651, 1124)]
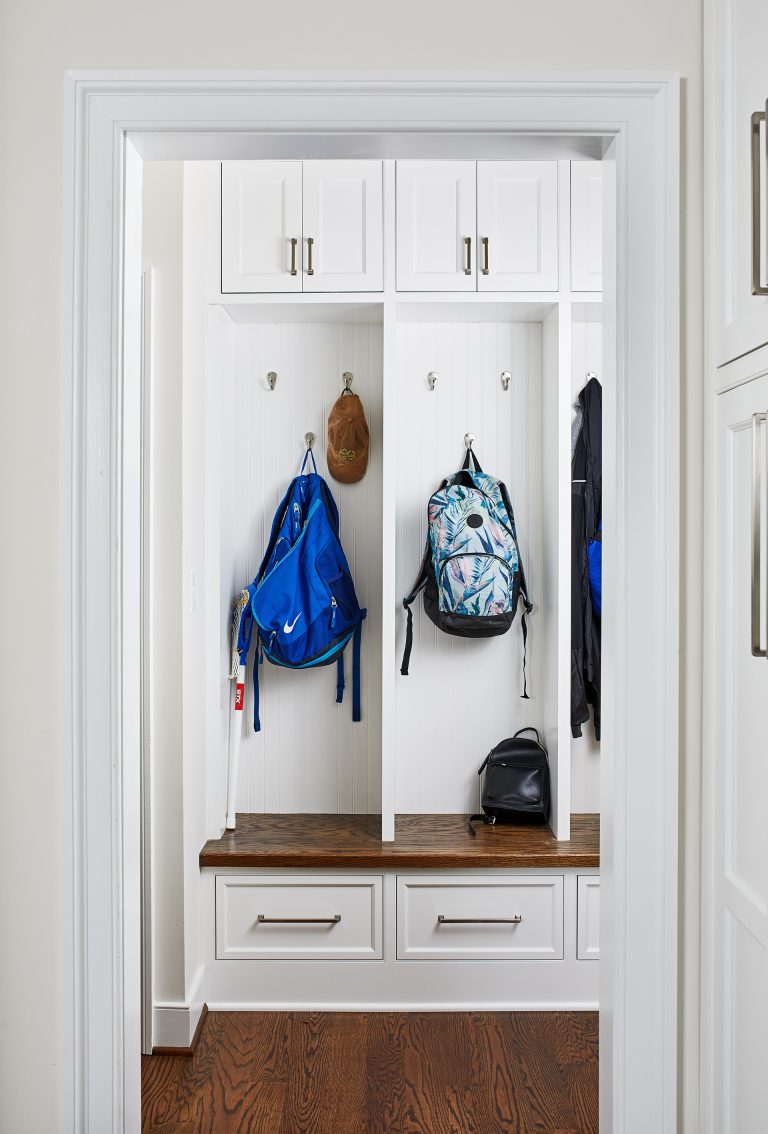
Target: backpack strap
[(421, 581), (469, 458), (527, 604), (340, 678), (489, 820), (356, 639), (257, 661)]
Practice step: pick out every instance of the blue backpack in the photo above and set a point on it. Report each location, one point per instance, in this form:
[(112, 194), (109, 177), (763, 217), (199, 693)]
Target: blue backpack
[(303, 600), (472, 572)]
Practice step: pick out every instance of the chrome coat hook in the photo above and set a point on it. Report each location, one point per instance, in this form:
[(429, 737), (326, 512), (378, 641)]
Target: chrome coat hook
[(469, 440), (348, 378), (432, 379), (271, 379), (506, 378), (591, 374), (309, 440)]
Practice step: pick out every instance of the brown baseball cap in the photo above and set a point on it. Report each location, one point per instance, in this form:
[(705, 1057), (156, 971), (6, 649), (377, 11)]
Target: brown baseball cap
[(348, 439)]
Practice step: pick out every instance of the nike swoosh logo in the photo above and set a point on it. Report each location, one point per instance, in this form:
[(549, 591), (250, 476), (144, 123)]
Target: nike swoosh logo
[(289, 629)]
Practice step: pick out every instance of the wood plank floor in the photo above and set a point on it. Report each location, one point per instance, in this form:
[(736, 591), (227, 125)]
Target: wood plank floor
[(379, 1073)]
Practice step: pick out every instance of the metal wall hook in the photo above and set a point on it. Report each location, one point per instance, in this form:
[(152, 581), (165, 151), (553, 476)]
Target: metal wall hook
[(432, 379), (469, 440), (591, 374), (506, 378), (271, 379), (309, 440), (348, 378)]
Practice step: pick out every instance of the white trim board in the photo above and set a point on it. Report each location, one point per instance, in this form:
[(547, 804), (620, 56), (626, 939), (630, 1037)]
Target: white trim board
[(174, 1025), (638, 114)]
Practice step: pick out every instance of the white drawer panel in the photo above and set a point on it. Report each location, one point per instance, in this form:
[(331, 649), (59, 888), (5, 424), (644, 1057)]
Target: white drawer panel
[(441, 918), (300, 917), (588, 944)]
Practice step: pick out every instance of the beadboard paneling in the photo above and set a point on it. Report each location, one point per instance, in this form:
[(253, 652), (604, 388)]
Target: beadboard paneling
[(462, 696), (309, 756)]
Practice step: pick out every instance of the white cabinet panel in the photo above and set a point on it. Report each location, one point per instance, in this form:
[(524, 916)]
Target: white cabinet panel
[(286, 917), (517, 217), (471, 918), (436, 225), (343, 222), (260, 217), (586, 226), (735, 831), (588, 918), (739, 89)]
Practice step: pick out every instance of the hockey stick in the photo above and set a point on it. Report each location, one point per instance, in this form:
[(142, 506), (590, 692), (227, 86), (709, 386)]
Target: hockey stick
[(236, 674)]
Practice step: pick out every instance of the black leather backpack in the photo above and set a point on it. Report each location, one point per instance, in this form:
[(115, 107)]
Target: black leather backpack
[(516, 787)]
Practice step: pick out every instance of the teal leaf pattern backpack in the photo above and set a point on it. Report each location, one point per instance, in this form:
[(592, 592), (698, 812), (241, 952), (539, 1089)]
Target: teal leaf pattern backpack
[(472, 574)]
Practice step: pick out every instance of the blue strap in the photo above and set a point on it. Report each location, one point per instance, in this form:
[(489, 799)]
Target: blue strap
[(257, 657), (356, 638), (340, 678), (309, 454)]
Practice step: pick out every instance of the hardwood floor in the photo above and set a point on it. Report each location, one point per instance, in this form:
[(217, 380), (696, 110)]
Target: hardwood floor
[(379, 1073)]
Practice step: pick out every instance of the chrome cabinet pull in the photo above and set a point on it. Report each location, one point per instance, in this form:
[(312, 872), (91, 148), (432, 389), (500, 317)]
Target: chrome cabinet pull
[(262, 919), (485, 268), (442, 920), (293, 255), (468, 254), (758, 419), (310, 245), (757, 287)]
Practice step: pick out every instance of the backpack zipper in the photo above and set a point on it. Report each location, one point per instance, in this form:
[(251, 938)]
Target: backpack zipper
[(473, 555)]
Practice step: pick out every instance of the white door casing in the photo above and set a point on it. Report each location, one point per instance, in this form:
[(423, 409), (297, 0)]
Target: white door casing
[(639, 114), (517, 225)]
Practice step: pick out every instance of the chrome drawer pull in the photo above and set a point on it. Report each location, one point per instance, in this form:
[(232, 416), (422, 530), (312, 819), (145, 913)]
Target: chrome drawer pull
[(468, 252), (310, 246), (757, 285), (758, 419), (442, 920), (262, 919), (485, 268), (293, 256)]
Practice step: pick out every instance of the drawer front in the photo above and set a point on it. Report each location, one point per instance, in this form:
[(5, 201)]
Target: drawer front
[(466, 918), (301, 918), (588, 944)]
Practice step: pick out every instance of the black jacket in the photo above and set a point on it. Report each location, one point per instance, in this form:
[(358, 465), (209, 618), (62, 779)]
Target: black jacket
[(586, 514)]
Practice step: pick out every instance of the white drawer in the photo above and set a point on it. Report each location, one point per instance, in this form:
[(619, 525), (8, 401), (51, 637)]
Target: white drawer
[(588, 919), (471, 918), (300, 917)]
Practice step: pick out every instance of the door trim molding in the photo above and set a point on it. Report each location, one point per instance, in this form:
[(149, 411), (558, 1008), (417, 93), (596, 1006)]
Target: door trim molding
[(639, 113)]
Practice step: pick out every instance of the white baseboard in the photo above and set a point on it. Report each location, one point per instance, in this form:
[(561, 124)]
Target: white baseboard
[(174, 1023), (410, 1006)]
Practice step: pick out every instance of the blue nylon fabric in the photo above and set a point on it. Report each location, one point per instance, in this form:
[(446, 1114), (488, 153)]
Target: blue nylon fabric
[(303, 599)]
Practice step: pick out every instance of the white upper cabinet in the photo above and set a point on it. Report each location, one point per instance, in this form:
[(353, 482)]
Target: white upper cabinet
[(343, 236), (739, 34), (260, 226), (517, 225), (301, 226), (436, 225), (586, 226)]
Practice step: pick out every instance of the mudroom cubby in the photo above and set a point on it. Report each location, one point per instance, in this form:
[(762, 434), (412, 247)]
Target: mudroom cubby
[(364, 824)]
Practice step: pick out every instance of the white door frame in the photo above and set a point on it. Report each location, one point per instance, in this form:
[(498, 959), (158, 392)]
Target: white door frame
[(101, 579)]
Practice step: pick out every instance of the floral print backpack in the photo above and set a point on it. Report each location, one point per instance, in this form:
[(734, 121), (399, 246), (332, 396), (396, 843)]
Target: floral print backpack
[(472, 574)]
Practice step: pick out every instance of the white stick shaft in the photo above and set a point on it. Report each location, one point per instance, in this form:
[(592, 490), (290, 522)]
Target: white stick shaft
[(235, 736)]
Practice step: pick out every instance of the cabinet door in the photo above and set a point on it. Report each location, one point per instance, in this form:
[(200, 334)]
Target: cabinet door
[(586, 226), (436, 225), (517, 225), (343, 226), (260, 226), (735, 832), (740, 89)]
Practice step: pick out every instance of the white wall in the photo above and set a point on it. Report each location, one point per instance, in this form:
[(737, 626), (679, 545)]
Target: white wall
[(161, 253), (37, 44)]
